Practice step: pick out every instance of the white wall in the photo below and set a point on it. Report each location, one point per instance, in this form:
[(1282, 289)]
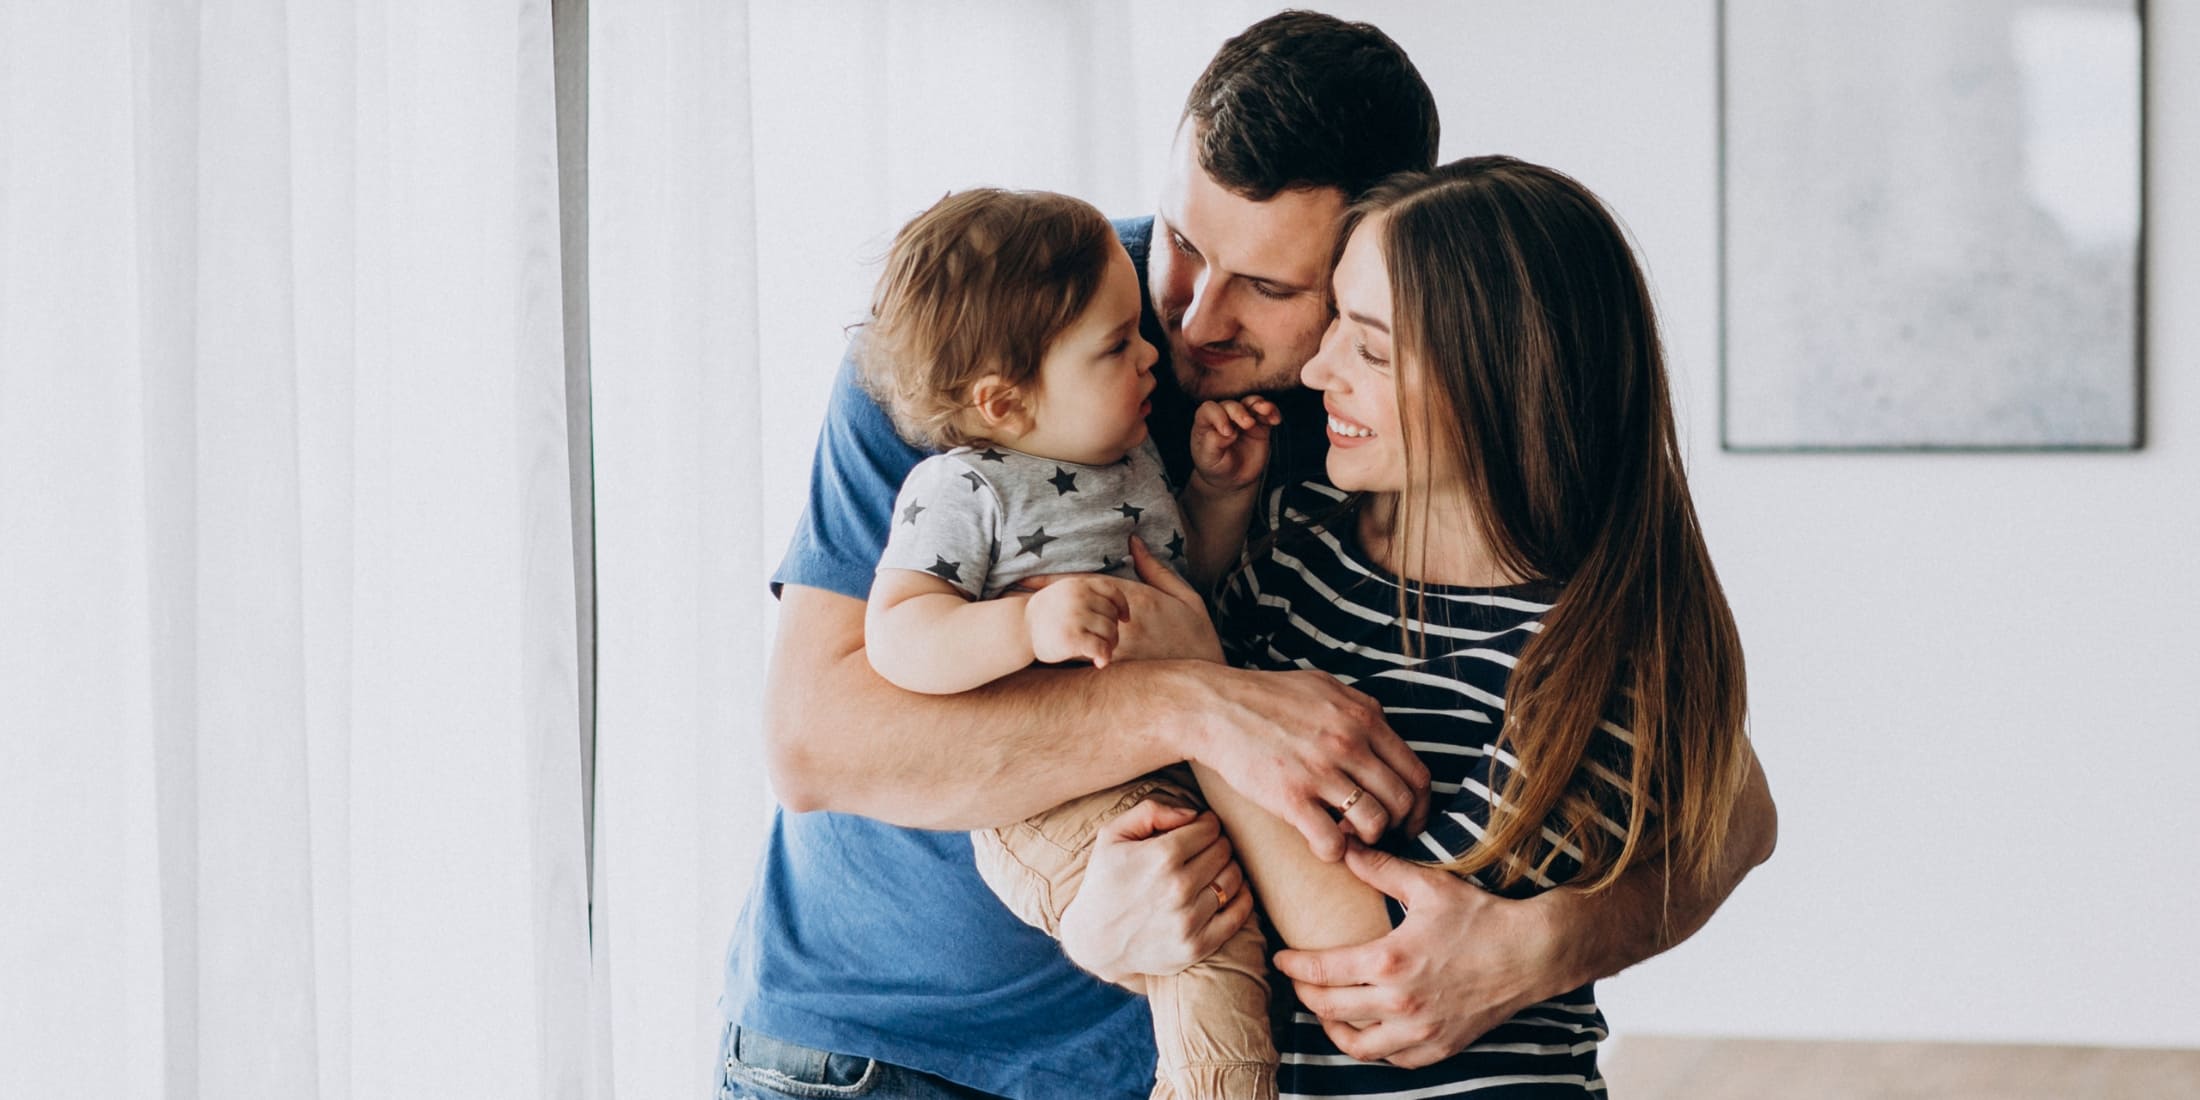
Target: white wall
[(1976, 679)]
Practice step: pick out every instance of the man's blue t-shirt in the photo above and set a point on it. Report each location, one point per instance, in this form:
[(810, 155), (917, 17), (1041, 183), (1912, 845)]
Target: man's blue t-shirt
[(868, 939)]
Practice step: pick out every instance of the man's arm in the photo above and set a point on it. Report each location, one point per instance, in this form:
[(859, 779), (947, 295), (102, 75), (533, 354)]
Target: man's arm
[(1647, 912), (841, 738)]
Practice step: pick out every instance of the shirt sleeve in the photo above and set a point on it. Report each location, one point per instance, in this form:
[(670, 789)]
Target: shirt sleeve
[(947, 523), (859, 466)]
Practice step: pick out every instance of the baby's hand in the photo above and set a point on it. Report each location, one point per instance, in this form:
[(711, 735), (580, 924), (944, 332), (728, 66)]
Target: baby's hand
[(1230, 441), (1073, 617)]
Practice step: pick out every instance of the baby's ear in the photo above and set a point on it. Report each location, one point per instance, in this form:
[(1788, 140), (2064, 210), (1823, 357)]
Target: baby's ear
[(1000, 405)]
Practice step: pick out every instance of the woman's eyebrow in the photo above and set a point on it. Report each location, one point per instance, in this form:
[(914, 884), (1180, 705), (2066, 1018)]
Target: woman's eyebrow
[(1370, 322)]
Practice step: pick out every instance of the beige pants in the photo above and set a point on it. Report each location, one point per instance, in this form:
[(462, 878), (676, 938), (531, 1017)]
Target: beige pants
[(1210, 1022)]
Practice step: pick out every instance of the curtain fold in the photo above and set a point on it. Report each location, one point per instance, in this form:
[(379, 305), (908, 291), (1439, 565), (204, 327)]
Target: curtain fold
[(291, 762), (682, 614)]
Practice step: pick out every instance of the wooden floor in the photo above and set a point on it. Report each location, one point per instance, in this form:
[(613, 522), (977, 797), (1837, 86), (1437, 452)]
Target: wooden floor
[(1652, 1068)]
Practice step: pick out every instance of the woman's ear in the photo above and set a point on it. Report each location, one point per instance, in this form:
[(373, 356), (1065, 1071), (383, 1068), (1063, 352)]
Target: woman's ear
[(1001, 406)]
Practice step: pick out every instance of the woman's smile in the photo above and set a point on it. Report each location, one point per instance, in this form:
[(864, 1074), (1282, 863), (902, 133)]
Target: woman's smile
[(1347, 433)]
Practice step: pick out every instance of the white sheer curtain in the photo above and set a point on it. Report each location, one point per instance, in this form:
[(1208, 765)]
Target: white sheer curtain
[(681, 609), (289, 778)]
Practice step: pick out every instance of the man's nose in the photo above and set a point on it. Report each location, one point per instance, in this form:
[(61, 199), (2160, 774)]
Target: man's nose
[(1205, 321)]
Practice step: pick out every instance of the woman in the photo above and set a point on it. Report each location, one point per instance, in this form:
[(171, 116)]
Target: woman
[(1504, 554)]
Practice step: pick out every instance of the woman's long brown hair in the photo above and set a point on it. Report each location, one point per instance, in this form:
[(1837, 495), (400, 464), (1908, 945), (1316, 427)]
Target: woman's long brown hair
[(1521, 314)]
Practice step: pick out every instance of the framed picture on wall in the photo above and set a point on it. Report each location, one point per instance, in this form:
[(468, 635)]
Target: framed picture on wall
[(1931, 224)]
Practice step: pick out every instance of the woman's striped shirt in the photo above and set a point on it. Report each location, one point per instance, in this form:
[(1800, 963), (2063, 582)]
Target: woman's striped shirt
[(1313, 600)]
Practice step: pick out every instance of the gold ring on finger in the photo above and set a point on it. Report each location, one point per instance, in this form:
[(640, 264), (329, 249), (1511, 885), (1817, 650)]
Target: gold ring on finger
[(1350, 801)]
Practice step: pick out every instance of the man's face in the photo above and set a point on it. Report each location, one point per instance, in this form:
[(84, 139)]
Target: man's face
[(1241, 287)]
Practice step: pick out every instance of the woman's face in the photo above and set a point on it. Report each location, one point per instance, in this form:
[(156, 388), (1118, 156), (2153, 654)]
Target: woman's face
[(1357, 371)]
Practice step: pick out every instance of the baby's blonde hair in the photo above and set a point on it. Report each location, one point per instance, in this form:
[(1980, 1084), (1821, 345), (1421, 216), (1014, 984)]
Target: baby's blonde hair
[(979, 284)]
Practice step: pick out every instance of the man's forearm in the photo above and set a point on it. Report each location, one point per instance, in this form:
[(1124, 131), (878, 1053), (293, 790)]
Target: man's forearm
[(844, 739), (1649, 911)]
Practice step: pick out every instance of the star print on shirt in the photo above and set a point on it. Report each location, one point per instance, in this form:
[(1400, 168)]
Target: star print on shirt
[(991, 455), (976, 482), (1176, 545), (1063, 481), (1035, 543), (909, 514), (949, 571), (1108, 564), (1130, 512)]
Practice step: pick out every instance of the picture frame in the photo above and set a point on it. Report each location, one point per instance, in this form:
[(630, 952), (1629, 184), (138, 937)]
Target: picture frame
[(1932, 225)]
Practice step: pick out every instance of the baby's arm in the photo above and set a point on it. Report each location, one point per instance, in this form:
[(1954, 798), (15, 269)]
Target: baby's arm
[(1229, 454), (923, 634)]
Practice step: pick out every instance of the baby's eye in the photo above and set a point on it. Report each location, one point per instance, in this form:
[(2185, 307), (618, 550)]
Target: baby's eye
[(1120, 347)]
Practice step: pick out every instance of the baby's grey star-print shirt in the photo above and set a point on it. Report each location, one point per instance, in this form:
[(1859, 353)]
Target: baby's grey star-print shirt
[(984, 518)]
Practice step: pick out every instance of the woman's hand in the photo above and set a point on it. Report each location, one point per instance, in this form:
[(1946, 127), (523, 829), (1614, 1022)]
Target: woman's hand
[(1163, 618), (1150, 903), (1463, 961), (1167, 616)]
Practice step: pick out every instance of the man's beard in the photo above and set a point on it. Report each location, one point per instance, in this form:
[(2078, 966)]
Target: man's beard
[(1249, 371)]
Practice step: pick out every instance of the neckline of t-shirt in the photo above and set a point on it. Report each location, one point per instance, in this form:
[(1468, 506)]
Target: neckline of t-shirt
[(1115, 465), (1348, 543)]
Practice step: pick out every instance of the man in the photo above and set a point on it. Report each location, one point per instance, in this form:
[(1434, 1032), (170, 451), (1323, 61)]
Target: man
[(870, 952)]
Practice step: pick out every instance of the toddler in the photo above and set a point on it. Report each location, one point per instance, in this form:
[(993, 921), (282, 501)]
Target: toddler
[(1005, 330)]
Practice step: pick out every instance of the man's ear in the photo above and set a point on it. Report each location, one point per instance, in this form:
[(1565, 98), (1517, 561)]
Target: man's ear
[(1001, 406)]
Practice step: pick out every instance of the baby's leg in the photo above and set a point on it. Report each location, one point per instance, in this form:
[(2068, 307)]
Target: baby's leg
[(1211, 1021)]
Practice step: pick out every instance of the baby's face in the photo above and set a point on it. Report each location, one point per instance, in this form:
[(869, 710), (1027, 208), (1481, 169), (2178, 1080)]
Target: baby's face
[(1095, 381)]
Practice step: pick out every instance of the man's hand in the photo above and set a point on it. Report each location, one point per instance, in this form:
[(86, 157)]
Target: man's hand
[(1149, 901), (1463, 962), (1296, 743), (1299, 744)]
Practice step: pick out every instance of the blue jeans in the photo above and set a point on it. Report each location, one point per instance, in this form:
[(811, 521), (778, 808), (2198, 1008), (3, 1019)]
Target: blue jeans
[(758, 1067)]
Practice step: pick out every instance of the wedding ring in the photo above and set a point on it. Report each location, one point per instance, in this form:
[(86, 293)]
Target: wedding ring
[(1350, 801), (1222, 900)]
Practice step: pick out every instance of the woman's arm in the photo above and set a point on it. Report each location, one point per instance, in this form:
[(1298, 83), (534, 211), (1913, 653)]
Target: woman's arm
[(1312, 904), (1435, 989)]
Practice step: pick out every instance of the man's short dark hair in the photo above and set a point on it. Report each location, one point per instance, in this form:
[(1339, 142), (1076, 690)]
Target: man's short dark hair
[(1303, 99)]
